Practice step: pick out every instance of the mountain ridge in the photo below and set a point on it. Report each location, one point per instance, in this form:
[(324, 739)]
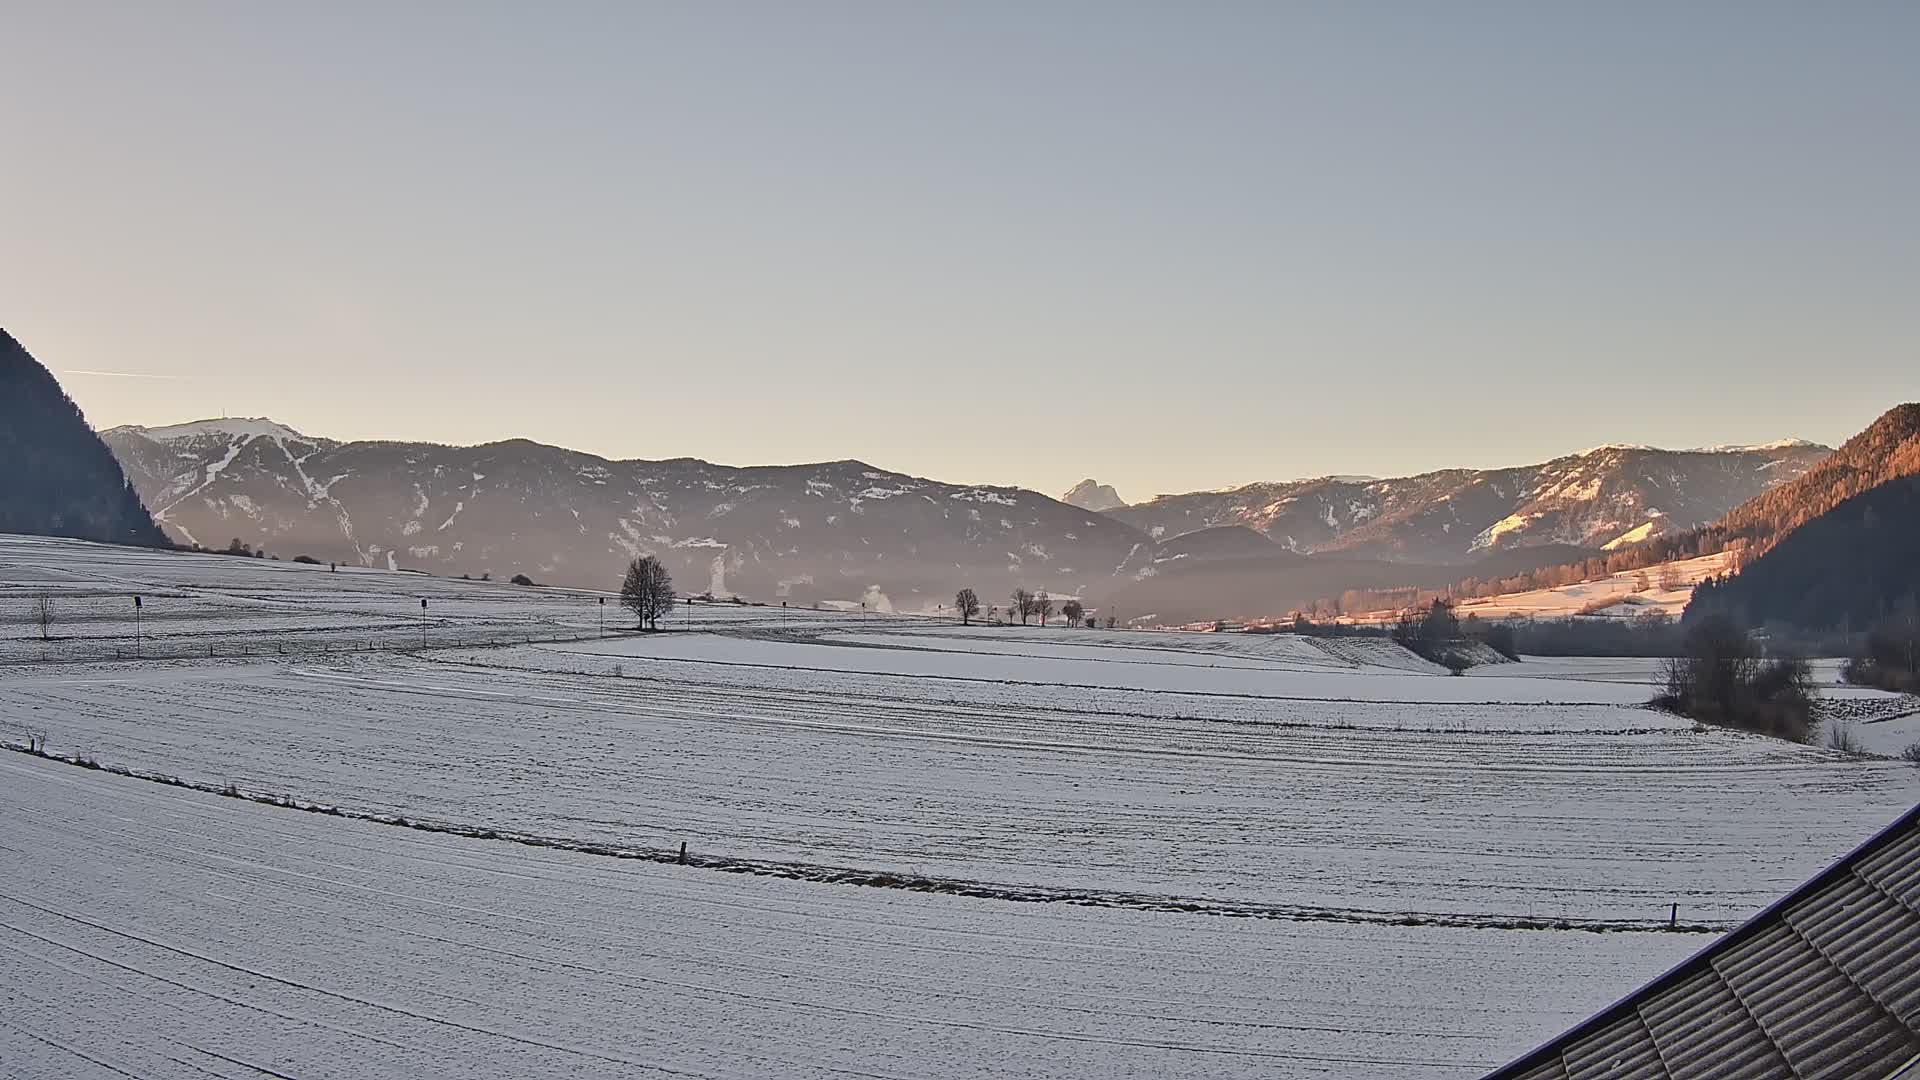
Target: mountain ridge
[(846, 530), (806, 533), (1612, 494)]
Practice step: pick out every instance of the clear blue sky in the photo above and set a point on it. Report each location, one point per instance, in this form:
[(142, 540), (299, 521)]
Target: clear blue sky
[(1170, 246)]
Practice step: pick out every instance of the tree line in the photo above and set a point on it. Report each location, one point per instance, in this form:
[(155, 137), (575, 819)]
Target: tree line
[(1024, 605)]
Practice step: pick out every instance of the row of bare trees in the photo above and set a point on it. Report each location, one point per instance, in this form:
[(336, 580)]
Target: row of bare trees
[(1027, 605), (1030, 605)]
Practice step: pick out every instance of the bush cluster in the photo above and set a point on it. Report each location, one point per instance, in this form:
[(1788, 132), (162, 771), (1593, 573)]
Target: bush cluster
[(1889, 658), (1720, 678)]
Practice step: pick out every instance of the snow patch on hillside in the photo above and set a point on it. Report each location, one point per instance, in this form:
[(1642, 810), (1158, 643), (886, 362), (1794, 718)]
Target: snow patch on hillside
[(1638, 534), (216, 468), (1491, 534)]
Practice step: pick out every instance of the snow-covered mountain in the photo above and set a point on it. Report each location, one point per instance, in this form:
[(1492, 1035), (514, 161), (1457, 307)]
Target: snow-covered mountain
[(1091, 495), (838, 530), (846, 531), (1608, 496)]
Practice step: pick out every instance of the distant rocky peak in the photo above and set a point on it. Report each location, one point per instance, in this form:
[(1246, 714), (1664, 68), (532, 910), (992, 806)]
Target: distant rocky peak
[(1090, 494)]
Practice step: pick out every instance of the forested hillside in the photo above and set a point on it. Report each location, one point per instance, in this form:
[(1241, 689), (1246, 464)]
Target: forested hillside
[(56, 477), (1846, 569), (1886, 450)]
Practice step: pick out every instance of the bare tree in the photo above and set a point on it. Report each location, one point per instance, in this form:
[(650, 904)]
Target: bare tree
[(1670, 579), (967, 604), (43, 614), (1021, 603), (1043, 606), (1073, 610), (648, 591)]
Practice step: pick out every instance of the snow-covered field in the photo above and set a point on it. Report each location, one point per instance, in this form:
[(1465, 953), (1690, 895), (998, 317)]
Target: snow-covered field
[(152, 932), (1667, 588), (1075, 810), (196, 605)]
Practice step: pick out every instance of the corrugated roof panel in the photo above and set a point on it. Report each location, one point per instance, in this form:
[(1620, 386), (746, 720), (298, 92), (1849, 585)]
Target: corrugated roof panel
[(1546, 1070), (1622, 1051), (1871, 937), (1823, 1022), (1896, 869), (1704, 1033)]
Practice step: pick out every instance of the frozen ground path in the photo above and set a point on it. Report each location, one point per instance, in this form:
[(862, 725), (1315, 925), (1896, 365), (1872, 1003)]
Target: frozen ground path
[(153, 932)]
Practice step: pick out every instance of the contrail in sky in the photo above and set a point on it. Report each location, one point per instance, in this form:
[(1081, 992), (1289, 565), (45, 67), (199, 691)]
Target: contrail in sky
[(120, 374)]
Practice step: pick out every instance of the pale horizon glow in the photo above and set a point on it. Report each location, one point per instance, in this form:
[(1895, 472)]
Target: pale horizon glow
[(1169, 250)]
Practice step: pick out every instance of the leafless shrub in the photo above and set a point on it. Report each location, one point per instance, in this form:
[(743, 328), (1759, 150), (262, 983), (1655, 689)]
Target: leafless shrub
[(1840, 736)]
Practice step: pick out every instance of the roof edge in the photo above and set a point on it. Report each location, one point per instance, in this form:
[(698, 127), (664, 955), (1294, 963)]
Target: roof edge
[(1539, 1055)]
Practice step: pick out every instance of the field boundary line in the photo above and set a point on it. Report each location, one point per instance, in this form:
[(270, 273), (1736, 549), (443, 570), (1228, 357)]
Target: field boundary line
[(886, 879)]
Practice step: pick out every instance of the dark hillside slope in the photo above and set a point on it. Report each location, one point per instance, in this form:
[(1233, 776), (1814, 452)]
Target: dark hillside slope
[(1847, 568), (56, 477)]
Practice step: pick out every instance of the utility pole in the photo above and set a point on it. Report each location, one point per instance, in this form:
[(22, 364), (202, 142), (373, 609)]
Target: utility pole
[(423, 622), (136, 624), (603, 616)]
